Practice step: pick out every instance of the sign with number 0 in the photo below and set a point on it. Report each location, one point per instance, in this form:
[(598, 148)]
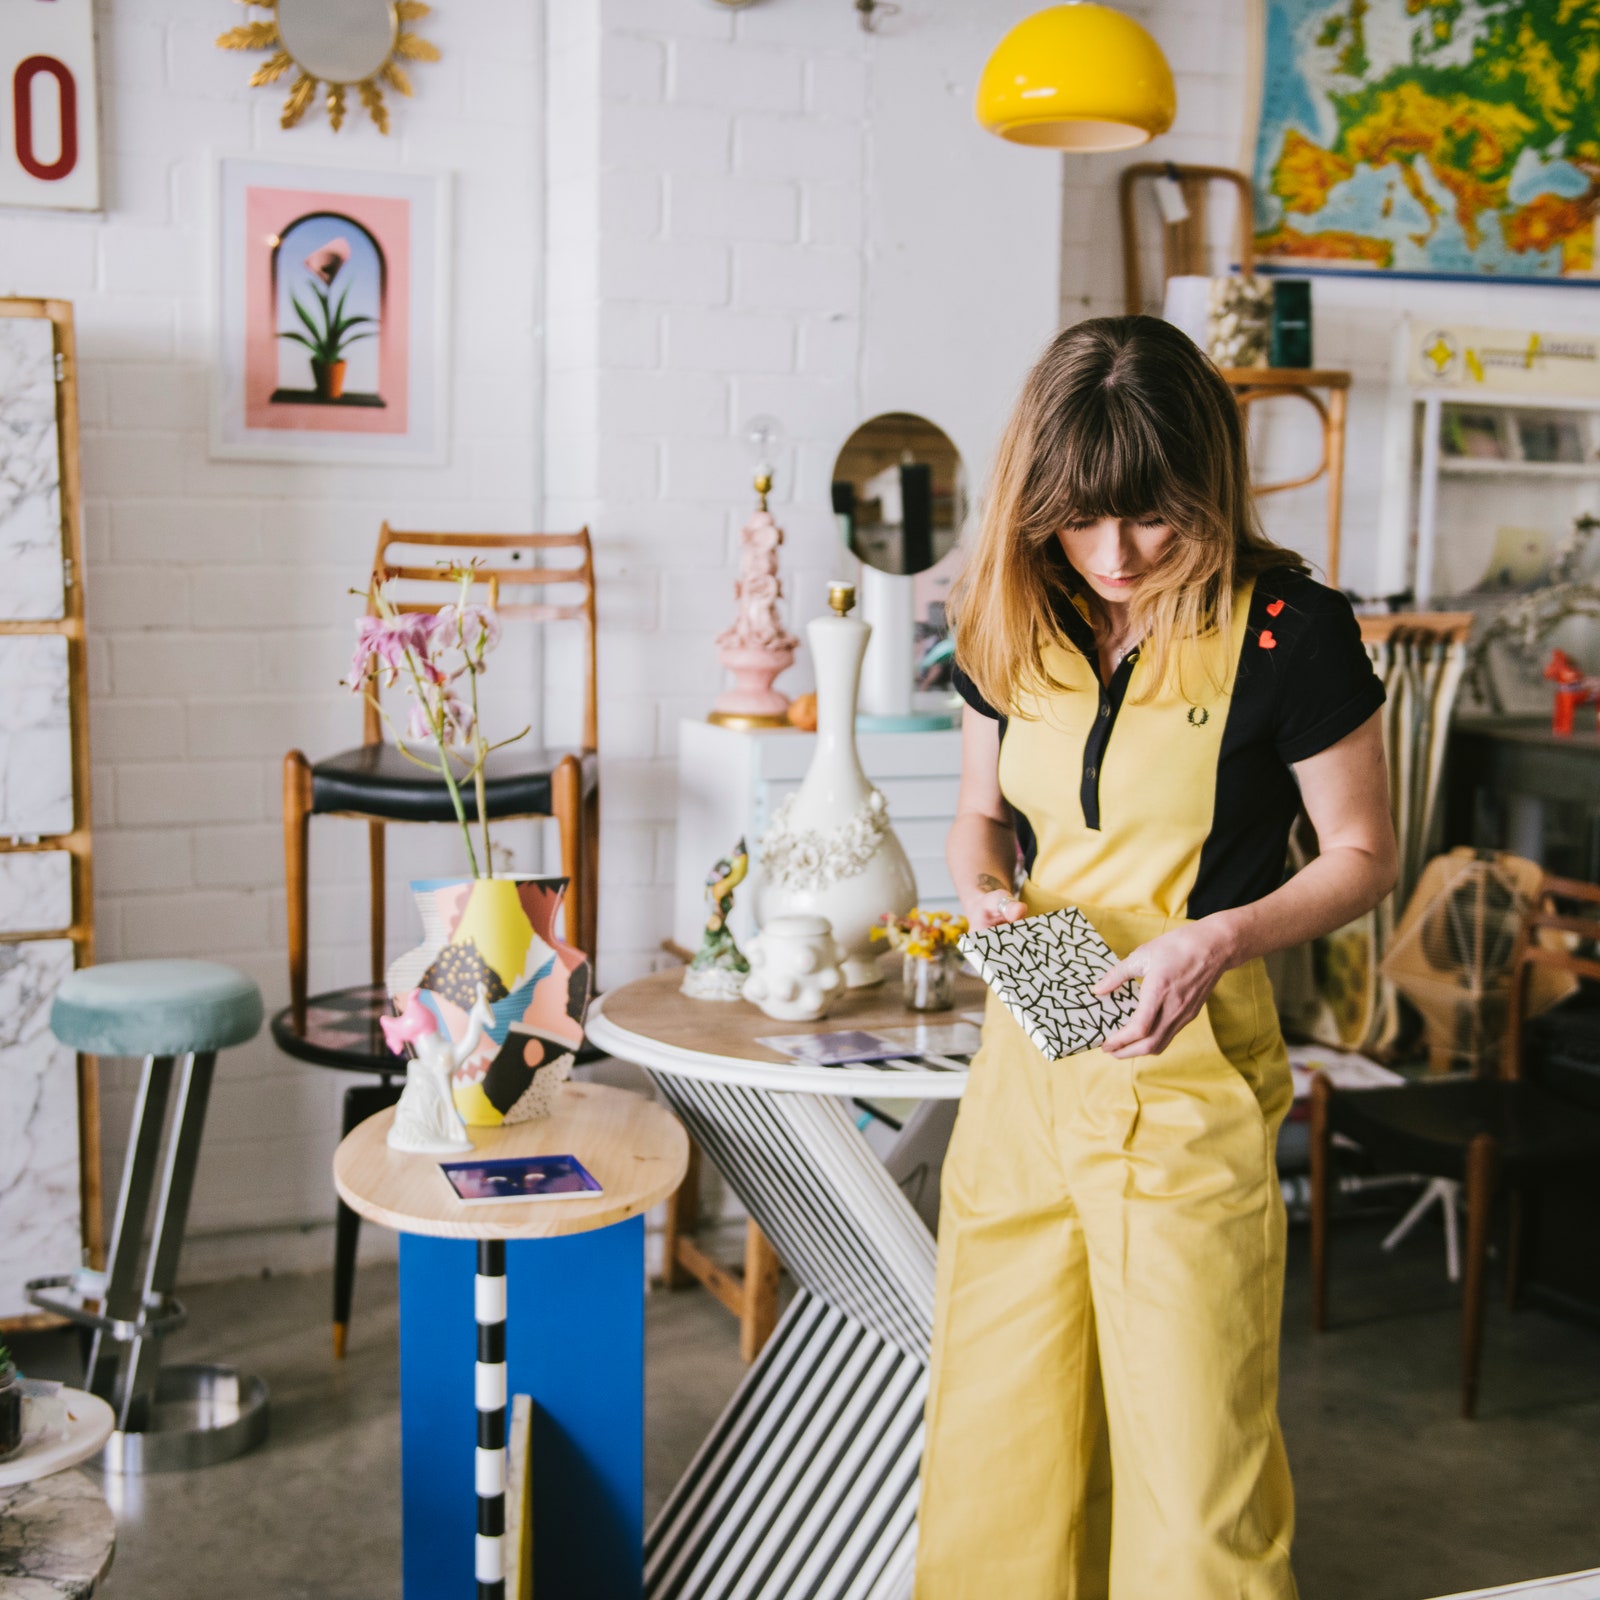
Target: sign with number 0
[(49, 124)]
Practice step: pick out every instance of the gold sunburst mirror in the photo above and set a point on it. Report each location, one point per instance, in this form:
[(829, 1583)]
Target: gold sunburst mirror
[(338, 45)]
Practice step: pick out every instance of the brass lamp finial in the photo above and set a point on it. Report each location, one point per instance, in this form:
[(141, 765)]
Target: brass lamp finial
[(841, 598)]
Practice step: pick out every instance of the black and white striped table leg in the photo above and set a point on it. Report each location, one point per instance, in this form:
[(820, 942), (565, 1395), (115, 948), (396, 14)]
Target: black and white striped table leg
[(489, 1296)]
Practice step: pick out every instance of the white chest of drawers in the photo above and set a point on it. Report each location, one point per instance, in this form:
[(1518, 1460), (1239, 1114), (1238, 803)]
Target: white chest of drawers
[(730, 782)]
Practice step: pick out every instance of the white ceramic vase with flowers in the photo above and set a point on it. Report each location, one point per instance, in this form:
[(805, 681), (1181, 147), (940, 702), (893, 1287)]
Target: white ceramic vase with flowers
[(829, 850)]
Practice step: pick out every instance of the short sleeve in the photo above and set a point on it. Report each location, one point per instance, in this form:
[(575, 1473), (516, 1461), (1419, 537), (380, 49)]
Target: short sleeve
[(964, 686), (1326, 687)]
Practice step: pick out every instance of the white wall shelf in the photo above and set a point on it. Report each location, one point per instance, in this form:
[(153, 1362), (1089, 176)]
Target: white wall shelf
[(1442, 512), (1457, 467)]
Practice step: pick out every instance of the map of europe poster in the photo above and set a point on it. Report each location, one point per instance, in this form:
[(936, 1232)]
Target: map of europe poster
[(1452, 138)]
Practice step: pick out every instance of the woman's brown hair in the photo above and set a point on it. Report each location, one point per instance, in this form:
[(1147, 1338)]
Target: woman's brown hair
[(1120, 417)]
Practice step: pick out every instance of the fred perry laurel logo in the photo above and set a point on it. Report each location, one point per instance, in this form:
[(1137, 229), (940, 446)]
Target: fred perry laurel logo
[(1198, 716)]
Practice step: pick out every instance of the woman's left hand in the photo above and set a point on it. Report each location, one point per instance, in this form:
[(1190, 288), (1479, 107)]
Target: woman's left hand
[(1178, 971)]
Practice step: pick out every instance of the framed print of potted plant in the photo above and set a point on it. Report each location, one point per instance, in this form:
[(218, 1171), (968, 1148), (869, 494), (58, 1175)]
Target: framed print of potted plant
[(328, 331), (330, 315)]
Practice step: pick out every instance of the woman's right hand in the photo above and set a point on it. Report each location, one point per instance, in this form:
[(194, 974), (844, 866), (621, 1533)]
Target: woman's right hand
[(992, 907)]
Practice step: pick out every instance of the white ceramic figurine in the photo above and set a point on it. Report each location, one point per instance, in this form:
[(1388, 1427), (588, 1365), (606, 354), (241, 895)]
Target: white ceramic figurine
[(794, 964), (426, 1121)]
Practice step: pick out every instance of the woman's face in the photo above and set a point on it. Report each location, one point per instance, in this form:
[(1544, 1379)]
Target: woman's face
[(1111, 555)]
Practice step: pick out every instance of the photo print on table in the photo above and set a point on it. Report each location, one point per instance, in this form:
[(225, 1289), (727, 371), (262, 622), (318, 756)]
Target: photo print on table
[(1044, 970)]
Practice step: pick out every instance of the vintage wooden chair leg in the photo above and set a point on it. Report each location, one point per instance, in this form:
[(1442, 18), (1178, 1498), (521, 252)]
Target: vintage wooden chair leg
[(1482, 1162), (1321, 1160), (566, 801), (683, 1217), (296, 842), (1517, 1246), (591, 873), (761, 1268), (380, 907)]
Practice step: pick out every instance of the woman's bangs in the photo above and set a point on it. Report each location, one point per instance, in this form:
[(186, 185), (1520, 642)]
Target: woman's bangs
[(1114, 467)]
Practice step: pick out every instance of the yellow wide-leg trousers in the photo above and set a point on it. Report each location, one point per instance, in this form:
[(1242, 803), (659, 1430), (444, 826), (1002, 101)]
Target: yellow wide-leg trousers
[(1102, 1412)]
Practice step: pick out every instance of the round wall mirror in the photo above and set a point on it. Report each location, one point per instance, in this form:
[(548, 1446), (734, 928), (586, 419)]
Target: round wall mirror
[(338, 41), (900, 493)]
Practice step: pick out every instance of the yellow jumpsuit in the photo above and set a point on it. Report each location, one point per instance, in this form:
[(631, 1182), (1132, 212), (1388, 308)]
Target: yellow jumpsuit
[(1102, 1413)]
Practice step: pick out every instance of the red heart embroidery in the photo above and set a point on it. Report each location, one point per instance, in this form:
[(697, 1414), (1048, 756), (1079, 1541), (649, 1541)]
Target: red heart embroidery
[(1275, 608), (1266, 641)]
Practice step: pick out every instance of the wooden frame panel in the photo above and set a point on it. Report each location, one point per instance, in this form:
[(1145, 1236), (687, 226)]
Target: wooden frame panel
[(77, 844)]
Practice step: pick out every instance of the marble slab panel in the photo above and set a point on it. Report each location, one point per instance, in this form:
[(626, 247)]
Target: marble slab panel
[(39, 1213), (56, 1538), (35, 892), (35, 737), (30, 471)]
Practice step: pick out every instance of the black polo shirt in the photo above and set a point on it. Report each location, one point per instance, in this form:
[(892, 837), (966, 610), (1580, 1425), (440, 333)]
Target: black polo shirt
[(1303, 682)]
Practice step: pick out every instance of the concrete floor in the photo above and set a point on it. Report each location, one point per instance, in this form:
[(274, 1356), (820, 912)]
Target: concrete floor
[(1398, 1498)]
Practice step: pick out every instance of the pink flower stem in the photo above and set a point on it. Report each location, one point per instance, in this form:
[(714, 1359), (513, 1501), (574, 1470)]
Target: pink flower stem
[(436, 717), (480, 744)]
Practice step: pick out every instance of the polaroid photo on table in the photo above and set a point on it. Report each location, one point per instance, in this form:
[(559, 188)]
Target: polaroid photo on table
[(935, 1038), (1043, 970), (489, 1183), (840, 1049)]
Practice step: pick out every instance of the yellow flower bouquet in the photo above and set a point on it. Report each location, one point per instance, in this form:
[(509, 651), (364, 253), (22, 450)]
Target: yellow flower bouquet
[(927, 940)]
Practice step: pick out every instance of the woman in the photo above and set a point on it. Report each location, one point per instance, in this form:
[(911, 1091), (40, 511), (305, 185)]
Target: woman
[(1154, 690)]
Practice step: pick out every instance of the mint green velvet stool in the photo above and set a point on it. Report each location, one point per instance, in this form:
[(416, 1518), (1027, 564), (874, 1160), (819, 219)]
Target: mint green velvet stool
[(177, 1015)]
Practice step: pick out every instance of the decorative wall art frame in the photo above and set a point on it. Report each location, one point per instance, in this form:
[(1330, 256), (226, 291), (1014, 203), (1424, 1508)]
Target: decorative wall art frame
[(336, 45), (331, 315), (1434, 141), (49, 108)]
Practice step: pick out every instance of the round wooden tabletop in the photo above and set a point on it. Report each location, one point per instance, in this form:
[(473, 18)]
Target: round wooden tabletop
[(651, 1022), (634, 1147)]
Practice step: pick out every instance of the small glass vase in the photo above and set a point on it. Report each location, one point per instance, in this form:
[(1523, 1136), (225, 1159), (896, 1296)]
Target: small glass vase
[(929, 982)]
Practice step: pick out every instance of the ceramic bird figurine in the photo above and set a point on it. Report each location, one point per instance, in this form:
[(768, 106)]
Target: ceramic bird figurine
[(719, 968), (426, 1121)]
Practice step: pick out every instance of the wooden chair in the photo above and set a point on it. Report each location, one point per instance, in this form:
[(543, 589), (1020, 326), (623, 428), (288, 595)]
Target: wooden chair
[(1186, 252), (375, 783), (1184, 249), (1492, 1133), (751, 1295)]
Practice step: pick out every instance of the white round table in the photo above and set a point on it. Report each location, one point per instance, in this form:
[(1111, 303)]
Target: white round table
[(808, 1483)]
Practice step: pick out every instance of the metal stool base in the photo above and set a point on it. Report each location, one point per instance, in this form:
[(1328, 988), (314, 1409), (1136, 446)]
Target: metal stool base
[(202, 1414)]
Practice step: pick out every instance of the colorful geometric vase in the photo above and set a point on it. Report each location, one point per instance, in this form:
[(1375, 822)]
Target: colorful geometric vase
[(498, 933)]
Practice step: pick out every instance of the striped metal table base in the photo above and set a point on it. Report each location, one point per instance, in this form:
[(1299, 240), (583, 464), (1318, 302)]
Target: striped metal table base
[(807, 1487)]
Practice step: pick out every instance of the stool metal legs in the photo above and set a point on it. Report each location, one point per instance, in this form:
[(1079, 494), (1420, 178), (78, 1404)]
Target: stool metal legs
[(137, 1392), (123, 1303), (178, 1416)]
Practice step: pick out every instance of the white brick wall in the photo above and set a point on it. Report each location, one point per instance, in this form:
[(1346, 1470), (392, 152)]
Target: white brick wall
[(216, 590), (767, 188), (667, 217)]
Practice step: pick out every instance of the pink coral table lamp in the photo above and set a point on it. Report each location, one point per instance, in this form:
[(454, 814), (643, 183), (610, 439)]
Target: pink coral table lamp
[(757, 646)]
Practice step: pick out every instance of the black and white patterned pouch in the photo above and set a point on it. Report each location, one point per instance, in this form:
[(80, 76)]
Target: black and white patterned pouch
[(1043, 969)]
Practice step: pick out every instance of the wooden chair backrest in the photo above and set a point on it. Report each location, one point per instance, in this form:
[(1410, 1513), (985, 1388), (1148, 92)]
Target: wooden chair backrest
[(1533, 955), (1183, 244), (575, 572)]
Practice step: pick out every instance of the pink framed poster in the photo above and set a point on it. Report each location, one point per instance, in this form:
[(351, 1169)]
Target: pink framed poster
[(331, 315)]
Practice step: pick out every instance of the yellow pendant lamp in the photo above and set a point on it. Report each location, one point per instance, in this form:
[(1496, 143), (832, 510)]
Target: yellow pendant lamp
[(1077, 77)]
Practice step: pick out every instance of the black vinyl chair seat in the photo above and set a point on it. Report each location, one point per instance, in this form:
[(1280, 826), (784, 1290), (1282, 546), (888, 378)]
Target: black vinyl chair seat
[(1427, 1126), (375, 780)]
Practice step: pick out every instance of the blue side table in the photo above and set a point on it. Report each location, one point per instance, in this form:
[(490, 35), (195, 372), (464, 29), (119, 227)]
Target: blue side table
[(540, 1298)]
